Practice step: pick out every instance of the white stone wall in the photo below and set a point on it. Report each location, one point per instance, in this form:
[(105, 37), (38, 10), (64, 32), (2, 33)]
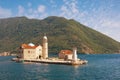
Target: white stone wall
[(32, 53), (38, 51)]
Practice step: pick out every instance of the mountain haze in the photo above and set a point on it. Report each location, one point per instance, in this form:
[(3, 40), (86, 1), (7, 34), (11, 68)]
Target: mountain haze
[(62, 34)]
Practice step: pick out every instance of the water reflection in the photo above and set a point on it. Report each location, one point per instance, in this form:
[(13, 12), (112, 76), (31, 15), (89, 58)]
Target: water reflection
[(99, 67)]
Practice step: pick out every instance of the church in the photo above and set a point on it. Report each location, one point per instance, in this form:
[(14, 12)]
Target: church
[(31, 51), (39, 54)]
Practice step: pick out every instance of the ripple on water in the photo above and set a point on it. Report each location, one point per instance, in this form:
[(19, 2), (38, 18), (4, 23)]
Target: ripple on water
[(99, 67)]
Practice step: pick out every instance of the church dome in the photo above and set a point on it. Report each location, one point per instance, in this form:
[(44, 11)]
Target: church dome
[(31, 44)]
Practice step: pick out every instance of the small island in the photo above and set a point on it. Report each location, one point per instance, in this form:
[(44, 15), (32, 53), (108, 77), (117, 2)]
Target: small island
[(39, 54)]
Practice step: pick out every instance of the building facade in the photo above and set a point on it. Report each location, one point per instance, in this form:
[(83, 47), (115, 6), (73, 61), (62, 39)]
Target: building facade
[(31, 51), (66, 54)]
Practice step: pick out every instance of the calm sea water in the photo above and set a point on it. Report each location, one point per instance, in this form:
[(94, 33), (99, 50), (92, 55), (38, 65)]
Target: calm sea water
[(99, 67)]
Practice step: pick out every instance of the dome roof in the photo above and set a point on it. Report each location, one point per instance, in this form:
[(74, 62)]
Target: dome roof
[(31, 44)]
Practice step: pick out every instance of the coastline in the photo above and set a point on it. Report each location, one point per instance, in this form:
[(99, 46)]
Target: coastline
[(52, 61)]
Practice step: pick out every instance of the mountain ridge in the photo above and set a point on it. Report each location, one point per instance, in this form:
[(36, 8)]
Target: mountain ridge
[(62, 34)]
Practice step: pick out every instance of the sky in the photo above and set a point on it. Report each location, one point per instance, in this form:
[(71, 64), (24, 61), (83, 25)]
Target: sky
[(101, 15)]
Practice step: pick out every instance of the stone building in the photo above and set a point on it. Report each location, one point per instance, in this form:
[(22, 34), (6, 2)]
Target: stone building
[(31, 51), (66, 54)]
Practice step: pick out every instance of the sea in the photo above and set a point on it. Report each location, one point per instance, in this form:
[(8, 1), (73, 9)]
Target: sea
[(99, 67)]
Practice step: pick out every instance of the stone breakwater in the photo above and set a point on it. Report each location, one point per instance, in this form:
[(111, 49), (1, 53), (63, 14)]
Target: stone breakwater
[(52, 61)]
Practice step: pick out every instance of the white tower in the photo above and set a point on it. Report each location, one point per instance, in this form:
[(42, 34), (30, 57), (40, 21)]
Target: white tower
[(45, 48), (75, 54)]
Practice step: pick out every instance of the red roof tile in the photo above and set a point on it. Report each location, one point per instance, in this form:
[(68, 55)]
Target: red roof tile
[(66, 52), (26, 46)]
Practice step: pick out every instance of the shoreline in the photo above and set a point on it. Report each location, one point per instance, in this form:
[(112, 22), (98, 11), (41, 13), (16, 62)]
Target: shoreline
[(52, 61)]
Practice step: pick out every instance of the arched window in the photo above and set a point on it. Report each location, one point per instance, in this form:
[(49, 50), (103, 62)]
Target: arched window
[(28, 51)]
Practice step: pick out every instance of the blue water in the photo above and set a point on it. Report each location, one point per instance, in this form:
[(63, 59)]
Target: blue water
[(99, 67)]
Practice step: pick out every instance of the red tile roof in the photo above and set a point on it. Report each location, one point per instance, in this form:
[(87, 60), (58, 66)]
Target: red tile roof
[(26, 46), (67, 52)]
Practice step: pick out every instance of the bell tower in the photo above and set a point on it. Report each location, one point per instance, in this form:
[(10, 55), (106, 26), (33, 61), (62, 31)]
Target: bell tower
[(75, 54), (45, 47)]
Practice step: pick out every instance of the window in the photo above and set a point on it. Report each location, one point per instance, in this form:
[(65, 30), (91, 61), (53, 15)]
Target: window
[(28, 51)]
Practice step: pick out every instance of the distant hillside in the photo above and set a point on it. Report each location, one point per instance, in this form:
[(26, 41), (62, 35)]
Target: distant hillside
[(62, 34)]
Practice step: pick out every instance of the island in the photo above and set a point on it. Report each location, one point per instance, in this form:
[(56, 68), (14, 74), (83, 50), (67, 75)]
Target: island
[(39, 54)]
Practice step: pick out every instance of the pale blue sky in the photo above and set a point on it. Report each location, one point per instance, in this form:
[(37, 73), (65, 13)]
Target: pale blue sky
[(102, 15)]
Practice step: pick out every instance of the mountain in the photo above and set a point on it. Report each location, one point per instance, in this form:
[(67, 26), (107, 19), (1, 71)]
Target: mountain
[(62, 34)]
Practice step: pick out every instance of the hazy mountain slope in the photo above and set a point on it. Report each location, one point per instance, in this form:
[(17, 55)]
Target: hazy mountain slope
[(62, 34)]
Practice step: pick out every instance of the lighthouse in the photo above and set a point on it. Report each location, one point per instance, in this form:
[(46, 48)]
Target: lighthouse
[(74, 54), (45, 48)]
